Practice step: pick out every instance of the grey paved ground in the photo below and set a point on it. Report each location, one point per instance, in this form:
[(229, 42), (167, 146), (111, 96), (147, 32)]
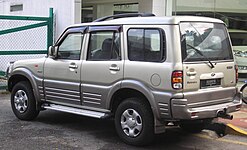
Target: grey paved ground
[(56, 130), (3, 83)]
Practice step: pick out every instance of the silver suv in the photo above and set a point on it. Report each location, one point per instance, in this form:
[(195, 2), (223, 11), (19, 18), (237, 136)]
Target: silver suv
[(143, 71)]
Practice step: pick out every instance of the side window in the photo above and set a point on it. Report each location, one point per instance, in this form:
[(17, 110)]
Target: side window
[(104, 45), (146, 45), (70, 48)]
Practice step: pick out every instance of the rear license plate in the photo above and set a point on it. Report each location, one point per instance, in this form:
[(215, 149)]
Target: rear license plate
[(210, 83)]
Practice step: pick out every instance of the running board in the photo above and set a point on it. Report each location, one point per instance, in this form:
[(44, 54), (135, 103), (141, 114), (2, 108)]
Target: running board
[(77, 111)]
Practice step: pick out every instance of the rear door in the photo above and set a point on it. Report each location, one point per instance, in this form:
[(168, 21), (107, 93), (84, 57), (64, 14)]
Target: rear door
[(208, 63), (102, 70)]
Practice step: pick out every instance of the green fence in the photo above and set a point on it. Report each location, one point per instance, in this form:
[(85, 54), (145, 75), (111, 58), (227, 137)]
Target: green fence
[(23, 37)]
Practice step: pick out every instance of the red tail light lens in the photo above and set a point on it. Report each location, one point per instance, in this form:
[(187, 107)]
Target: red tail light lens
[(177, 79)]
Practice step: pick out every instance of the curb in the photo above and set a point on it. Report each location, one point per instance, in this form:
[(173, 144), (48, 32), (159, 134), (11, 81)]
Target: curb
[(231, 129)]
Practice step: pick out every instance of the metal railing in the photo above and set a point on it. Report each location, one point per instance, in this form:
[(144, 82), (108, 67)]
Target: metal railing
[(23, 37)]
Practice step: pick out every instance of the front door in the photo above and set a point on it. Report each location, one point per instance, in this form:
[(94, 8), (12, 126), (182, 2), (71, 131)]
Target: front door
[(102, 70), (62, 74)]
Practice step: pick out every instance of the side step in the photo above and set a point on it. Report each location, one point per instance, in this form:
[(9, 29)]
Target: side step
[(77, 111)]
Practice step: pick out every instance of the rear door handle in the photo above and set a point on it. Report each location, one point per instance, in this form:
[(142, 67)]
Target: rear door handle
[(114, 67), (73, 66)]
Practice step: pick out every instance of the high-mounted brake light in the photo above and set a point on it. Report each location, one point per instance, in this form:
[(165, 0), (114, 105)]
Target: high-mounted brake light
[(177, 79)]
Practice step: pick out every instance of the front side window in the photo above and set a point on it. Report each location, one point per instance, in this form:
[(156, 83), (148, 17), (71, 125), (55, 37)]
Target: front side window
[(70, 48), (104, 45), (204, 41), (145, 45)]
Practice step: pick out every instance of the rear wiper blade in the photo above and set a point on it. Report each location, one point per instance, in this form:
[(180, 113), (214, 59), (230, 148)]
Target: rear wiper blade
[(200, 53)]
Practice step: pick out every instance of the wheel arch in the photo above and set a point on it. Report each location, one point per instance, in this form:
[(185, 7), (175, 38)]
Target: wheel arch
[(23, 74), (131, 88)]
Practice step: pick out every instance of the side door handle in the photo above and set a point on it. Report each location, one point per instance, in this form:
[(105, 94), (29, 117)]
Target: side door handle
[(114, 67), (73, 66)]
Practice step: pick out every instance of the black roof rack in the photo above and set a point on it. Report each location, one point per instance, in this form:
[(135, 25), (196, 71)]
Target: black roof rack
[(124, 16)]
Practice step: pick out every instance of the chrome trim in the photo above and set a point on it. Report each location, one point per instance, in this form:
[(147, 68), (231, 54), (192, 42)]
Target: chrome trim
[(177, 105), (62, 98), (77, 111), (61, 90), (90, 102), (164, 114), (164, 109), (162, 104), (61, 82), (67, 95), (91, 94), (223, 100), (92, 98)]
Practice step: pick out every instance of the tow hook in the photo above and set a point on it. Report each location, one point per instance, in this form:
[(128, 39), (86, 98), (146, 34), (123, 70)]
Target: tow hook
[(223, 114)]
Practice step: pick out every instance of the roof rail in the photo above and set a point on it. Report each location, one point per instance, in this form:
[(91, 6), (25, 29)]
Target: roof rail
[(124, 16)]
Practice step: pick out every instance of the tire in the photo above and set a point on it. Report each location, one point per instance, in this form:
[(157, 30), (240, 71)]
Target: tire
[(194, 126), (134, 122), (23, 102), (244, 91)]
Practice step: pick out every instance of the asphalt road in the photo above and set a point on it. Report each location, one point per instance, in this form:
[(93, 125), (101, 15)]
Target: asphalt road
[(57, 130)]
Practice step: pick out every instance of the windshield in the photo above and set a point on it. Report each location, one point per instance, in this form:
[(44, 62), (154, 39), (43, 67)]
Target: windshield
[(204, 42)]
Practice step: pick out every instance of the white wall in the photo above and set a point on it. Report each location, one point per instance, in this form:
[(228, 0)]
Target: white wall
[(157, 7), (67, 12), (106, 8)]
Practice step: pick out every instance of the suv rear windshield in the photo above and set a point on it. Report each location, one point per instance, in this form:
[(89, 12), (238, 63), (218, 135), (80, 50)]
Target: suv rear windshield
[(203, 41)]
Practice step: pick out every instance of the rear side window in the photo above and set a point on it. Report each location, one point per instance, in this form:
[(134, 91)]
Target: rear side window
[(146, 45), (104, 45)]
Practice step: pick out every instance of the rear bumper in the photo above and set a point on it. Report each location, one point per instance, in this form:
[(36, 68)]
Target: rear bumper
[(181, 110)]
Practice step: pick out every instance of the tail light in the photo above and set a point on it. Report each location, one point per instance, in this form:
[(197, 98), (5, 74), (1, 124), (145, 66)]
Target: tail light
[(236, 72), (177, 79)]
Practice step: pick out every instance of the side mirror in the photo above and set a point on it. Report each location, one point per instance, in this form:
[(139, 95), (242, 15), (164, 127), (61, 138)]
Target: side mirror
[(52, 51)]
